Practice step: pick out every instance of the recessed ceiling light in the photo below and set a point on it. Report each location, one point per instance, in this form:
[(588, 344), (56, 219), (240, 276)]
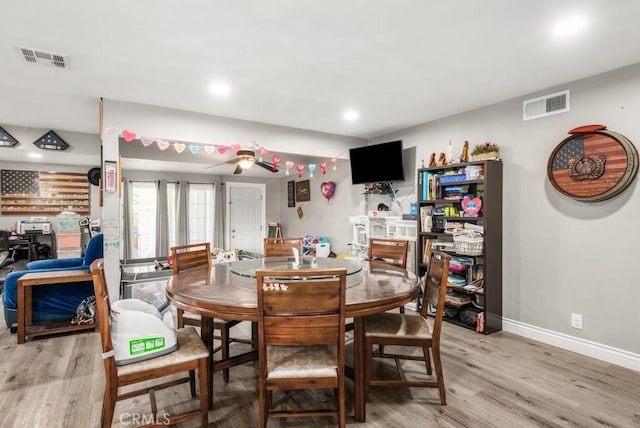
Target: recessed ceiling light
[(219, 88), (351, 115), (569, 26), (35, 155)]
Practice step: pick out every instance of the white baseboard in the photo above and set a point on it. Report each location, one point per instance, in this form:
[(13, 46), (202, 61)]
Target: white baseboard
[(599, 351)]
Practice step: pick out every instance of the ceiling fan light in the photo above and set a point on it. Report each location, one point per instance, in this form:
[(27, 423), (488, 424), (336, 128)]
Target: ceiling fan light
[(246, 163)]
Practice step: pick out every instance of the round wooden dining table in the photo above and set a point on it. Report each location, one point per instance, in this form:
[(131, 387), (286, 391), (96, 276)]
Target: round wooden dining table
[(228, 290)]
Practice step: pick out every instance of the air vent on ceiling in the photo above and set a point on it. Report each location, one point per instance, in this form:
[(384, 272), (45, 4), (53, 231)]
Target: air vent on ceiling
[(46, 58), (546, 105)]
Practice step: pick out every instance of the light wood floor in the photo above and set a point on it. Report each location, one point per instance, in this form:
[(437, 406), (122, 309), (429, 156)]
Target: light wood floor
[(501, 380)]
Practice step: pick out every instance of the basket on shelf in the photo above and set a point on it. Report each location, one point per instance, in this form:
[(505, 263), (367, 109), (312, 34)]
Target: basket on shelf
[(468, 242)]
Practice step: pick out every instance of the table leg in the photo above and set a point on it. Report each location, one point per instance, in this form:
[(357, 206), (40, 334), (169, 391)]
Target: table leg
[(359, 369), (206, 332), (21, 313)]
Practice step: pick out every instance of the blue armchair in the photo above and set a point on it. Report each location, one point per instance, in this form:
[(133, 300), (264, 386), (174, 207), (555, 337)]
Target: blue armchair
[(56, 302)]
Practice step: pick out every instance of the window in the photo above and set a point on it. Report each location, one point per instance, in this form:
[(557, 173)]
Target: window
[(144, 196), (201, 213)]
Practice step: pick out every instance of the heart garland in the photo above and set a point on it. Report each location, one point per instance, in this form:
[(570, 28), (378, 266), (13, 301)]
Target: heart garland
[(210, 149)]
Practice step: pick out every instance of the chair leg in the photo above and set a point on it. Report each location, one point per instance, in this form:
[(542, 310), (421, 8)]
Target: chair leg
[(262, 399), (342, 413), (368, 368), (438, 364), (192, 383), (180, 318), (427, 359), (224, 337), (109, 405), (204, 392)]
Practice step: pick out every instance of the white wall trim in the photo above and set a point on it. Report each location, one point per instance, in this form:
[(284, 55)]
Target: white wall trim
[(602, 352)]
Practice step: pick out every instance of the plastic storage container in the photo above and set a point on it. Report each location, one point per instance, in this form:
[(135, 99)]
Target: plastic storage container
[(473, 172)]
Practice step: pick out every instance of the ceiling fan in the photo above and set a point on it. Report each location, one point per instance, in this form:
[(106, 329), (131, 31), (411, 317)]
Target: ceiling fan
[(245, 159)]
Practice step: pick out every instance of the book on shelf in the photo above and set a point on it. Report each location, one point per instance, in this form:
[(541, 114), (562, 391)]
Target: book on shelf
[(458, 300)]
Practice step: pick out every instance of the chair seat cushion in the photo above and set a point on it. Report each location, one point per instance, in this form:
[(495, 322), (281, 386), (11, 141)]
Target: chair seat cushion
[(302, 361), (389, 324), (190, 348)]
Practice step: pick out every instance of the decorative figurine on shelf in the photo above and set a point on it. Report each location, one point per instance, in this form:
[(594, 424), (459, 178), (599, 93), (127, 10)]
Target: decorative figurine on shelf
[(486, 151), (442, 160), (449, 158), (432, 160), (464, 156)]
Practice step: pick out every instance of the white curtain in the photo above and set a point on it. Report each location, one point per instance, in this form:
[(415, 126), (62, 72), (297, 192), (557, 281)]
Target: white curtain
[(162, 221), (182, 215), (126, 221)]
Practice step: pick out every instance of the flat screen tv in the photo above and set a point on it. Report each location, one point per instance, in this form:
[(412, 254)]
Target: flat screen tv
[(377, 163)]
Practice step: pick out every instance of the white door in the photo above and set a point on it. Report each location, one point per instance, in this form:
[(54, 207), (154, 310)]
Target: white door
[(246, 215)]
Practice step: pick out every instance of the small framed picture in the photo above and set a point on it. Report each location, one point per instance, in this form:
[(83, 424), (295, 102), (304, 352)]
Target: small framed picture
[(303, 192), (110, 176)]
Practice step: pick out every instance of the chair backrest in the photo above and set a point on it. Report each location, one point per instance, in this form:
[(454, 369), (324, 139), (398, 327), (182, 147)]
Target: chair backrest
[(103, 317), (189, 256), (393, 251), (281, 247), (94, 250), (435, 290), (301, 307)]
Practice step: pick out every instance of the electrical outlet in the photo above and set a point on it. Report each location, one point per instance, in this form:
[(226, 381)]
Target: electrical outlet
[(576, 321)]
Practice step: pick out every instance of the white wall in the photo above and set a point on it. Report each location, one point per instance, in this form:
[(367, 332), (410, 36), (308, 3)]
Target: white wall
[(559, 255)]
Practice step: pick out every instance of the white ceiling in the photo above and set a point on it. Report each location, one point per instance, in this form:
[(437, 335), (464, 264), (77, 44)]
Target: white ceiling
[(301, 63)]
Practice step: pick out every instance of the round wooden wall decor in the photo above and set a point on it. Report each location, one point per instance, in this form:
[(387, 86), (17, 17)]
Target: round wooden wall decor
[(592, 164)]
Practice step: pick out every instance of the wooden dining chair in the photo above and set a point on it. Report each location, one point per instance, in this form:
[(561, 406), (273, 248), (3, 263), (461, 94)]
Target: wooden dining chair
[(392, 251), (191, 355), (413, 330), (281, 247), (301, 337), (194, 255)]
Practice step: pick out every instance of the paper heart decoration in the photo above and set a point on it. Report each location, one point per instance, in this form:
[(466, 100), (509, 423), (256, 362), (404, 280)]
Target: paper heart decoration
[(300, 167), (334, 161), (179, 147), (235, 148), (276, 161), (110, 131), (323, 167), (222, 149), (471, 207), (289, 165), (162, 145), (328, 189), (146, 141), (194, 148), (312, 167), (128, 136), (263, 151), (210, 149)]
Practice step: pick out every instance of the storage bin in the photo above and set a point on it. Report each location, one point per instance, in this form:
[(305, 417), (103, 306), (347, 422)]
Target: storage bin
[(68, 224), (68, 241)]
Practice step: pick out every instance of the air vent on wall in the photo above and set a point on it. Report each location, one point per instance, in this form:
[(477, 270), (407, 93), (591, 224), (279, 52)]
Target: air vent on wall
[(546, 105), (46, 58)]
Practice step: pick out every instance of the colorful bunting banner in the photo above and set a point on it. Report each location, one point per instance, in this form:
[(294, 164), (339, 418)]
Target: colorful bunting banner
[(210, 149)]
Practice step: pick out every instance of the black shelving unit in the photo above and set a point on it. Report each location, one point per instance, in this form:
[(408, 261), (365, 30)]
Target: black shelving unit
[(431, 188)]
